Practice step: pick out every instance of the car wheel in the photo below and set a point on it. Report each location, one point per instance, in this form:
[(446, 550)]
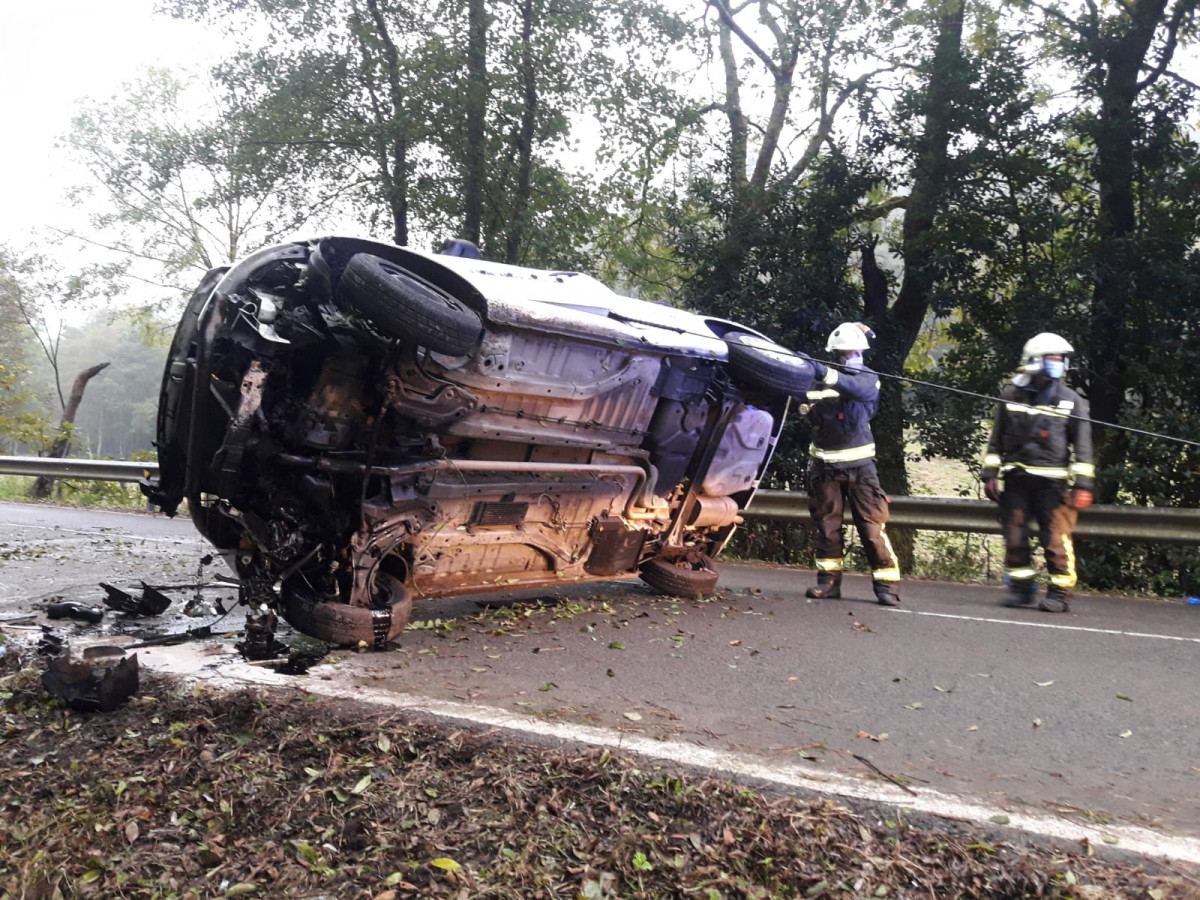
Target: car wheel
[(404, 307), (340, 623), (765, 365), (680, 578)]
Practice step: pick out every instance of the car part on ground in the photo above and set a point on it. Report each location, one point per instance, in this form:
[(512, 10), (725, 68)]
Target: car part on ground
[(355, 424)]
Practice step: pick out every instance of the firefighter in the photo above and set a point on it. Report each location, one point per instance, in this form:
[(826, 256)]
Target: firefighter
[(841, 469), (1036, 427)]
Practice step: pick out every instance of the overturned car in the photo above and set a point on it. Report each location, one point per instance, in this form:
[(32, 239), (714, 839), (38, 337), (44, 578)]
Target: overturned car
[(355, 424)]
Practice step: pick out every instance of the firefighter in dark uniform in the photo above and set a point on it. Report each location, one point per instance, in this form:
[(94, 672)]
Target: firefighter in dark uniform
[(841, 469), (1038, 424)]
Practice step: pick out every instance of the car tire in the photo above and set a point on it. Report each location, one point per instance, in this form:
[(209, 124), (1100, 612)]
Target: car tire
[(335, 622), (407, 308), (680, 578), (765, 365)]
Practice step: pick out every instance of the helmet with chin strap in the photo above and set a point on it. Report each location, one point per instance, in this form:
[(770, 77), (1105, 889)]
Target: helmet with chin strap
[(849, 337), (1038, 347)]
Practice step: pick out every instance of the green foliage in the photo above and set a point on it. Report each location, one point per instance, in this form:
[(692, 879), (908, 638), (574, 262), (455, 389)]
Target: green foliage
[(374, 99), (182, 186)]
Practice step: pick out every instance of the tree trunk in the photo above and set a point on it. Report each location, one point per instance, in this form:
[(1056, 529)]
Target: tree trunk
[(476, 111), (1116, 253), (45, 484), (897, 328), (521, 205), (397, 182)]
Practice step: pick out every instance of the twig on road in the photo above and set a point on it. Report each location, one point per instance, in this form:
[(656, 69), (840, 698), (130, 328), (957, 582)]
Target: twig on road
[(879, 771)]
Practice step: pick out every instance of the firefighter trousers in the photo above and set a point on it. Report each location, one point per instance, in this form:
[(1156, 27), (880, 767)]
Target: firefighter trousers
[(830, 490), (1026, 500)]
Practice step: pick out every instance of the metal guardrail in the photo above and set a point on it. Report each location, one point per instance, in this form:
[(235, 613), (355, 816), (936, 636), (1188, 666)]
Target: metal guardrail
[(90, 469), (1133, 524)]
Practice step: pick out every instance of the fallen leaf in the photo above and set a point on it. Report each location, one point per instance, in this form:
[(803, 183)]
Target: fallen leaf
[(859, 626), (633, 717), (938, 687), (735, 643), (131, 831), (1043, 683), (363, 784), (1123, 697), (1126, 733), (616, 645), (793, 678), (1037, 723), (999, 820), (973, 728), (445, 863), (549, 685), (1110, 839), (916, 705)]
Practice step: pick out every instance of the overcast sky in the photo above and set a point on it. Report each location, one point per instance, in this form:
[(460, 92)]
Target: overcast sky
[(53, 52)]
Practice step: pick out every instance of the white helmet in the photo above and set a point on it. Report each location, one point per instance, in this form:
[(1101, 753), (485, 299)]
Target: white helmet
[(849, 337), (1040, 346)]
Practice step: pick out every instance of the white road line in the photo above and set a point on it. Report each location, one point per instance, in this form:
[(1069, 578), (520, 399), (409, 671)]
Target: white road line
[(1143, 634), (190, 662)]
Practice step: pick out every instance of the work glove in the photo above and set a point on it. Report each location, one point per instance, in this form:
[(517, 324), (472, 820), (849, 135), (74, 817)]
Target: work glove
[(991, 489), (1081, 498)]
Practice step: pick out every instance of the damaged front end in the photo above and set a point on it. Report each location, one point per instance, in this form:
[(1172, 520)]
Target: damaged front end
[(354, 424)]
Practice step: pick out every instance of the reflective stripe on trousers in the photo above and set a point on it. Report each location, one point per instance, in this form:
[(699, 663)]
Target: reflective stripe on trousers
[(829, 491), (1027, 501)]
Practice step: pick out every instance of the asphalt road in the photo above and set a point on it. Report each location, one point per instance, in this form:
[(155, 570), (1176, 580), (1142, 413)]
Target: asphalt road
[(1089, 715)]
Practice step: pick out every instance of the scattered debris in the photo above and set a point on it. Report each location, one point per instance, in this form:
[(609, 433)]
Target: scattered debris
[(51, 643), (69, 609), (152, 602), (100, 679), (164, 640), (260, 643)]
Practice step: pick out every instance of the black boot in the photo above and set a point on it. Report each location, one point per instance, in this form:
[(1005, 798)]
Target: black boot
[(1020, 593), (885, 593), (829, 586), (1055, 601)]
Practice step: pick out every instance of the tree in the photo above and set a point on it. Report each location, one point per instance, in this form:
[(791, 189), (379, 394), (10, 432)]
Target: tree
[(17, 421), (179, 191), (1131, 103), (456, 117), (33, 289)]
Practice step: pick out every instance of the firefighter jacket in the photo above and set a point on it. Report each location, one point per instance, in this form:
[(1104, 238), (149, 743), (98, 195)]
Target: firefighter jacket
[(1035, 430), (842, 404)]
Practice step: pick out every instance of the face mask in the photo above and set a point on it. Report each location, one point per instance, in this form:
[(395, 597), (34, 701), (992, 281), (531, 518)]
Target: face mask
[(1054, 368), (854, 361)]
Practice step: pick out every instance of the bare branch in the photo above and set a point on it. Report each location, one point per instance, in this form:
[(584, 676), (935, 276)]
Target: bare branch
[(727, 17)]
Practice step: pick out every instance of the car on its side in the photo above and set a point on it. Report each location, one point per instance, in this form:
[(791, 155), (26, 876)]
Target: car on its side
[(355, 424)]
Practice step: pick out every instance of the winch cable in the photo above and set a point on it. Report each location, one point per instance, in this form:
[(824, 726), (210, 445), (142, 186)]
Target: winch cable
[(991, 399)]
